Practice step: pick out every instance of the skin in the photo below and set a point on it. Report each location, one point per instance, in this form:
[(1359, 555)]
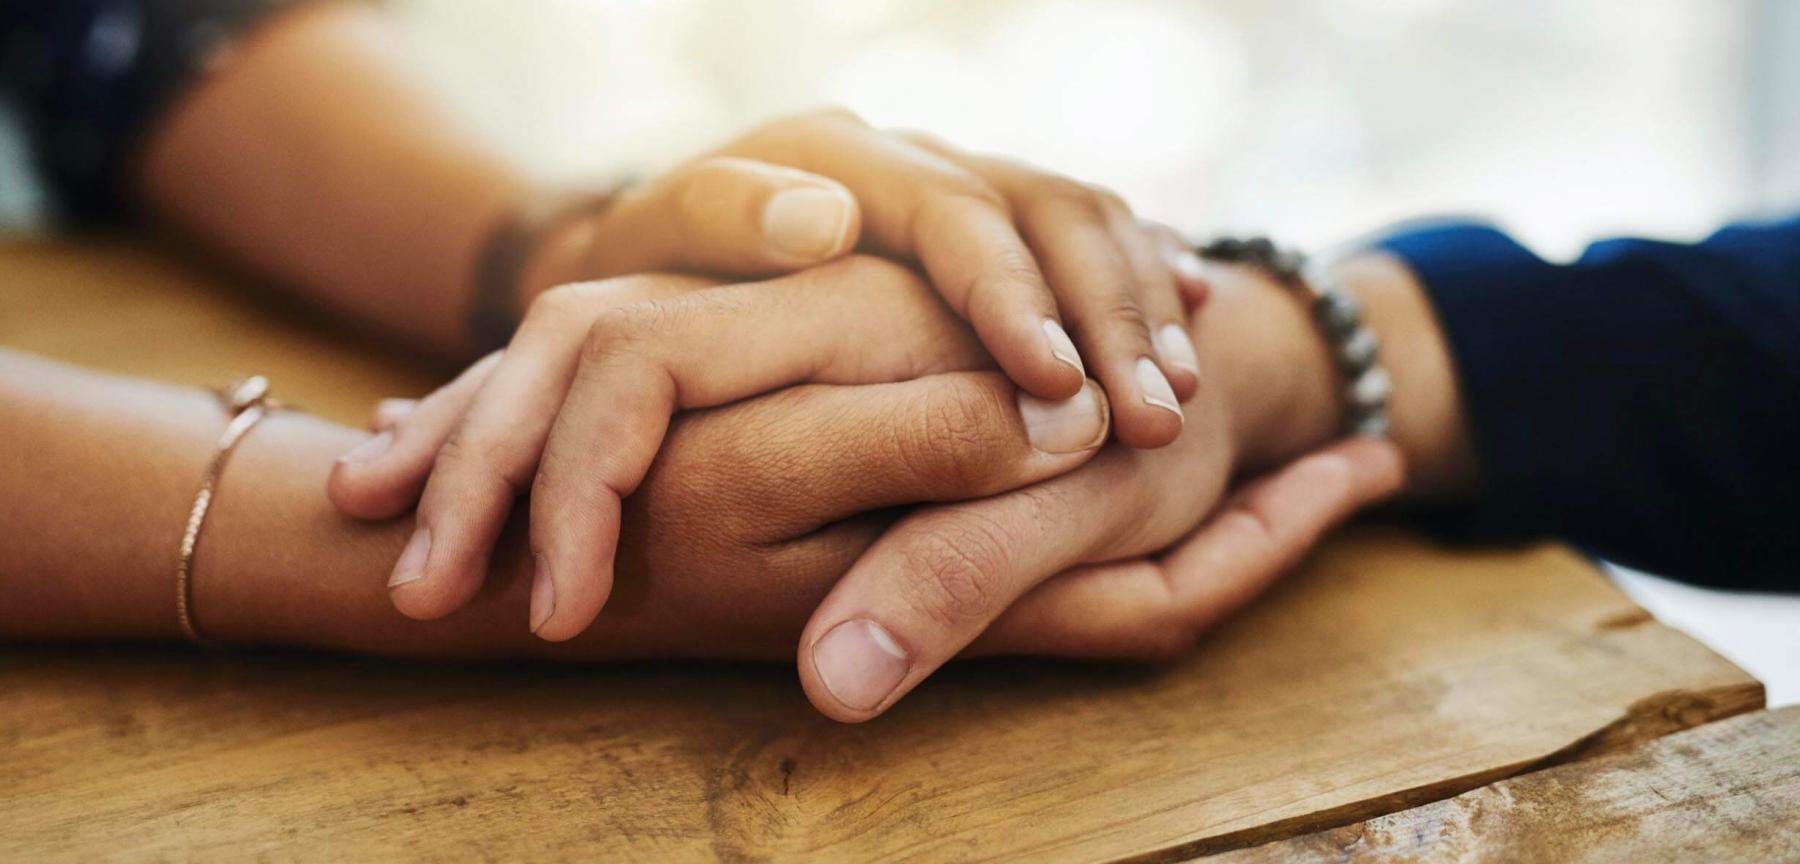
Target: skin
[(942, 577), (269, 161), (1047, 271), (1006, 247), (722, 554)]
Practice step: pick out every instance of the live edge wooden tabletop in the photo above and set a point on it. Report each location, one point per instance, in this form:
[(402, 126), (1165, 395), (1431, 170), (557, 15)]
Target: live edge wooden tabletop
[(1387, 673)]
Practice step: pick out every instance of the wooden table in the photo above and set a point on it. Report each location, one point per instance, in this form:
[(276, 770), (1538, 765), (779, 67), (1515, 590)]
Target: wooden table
[(1389, 673)]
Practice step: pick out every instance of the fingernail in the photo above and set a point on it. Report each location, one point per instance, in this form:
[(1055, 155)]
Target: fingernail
[(1177, 349), (860, 664), (543, 593), (1187, 264), (1062, 346), (1065, 426), (368, 451), (807, 222), (411, 565), (1154, 387), (391, 410)]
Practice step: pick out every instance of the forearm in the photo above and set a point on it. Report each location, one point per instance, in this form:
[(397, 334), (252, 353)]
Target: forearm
[(313, 159), (97, 475), (95, 485)]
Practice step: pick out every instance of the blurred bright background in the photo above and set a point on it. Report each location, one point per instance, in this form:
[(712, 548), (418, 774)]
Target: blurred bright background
[(1313, 120)]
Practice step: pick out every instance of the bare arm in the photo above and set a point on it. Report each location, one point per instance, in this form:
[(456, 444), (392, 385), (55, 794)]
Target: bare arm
[(726, 549), (313, 156)]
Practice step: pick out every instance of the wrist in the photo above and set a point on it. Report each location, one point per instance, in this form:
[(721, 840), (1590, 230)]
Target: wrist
[(1285, 396), (1281, 390), (278, 566), (539, 242), (562, 254)]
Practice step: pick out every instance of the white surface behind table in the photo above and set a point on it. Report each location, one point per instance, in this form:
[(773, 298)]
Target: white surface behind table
[(1760, 632)]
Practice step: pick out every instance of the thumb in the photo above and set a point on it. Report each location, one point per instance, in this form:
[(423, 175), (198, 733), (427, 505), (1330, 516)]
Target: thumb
[(728, 216)]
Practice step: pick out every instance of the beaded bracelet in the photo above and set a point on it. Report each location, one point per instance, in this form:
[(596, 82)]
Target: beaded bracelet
[(1354, 347)]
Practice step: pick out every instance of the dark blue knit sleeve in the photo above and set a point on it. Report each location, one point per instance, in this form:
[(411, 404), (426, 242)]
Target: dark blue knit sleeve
[(1642, 402), (88, 77)]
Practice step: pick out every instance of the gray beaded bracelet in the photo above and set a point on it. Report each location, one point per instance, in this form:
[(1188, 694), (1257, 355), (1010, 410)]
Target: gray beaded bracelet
[(1354, 346)]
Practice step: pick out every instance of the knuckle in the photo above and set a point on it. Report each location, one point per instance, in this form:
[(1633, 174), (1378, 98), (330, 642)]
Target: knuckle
[(622, 329), (1046, 506), (956, 437), (955, 568), (478, 467), (1056, 191), (556, 305), (1012, 278), (574, 303), (1111, 203), (955, 192), (923, 139), (1124, 315)]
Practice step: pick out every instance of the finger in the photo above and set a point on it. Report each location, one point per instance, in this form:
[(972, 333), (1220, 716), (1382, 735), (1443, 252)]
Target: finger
[(919, 206), (389, 412), (1154, 608), (1097, 291), (939, 577), (381, 477), (1095, 286), (812, 456), (477, 471), (728, 215), (1157, 295), (1179, 255), (643, 363)]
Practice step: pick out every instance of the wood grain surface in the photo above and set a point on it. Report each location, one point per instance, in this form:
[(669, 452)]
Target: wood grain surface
[(1727, 791), (1387, 673), (120, 307)]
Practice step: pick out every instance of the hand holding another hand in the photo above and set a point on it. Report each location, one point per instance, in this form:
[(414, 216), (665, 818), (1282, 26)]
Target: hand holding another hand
[(577, 407), (1059, 279), (755, 509)]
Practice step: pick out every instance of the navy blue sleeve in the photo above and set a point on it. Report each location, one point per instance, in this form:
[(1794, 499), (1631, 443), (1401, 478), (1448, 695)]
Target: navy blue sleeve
[(1642, 402), (88, 77)]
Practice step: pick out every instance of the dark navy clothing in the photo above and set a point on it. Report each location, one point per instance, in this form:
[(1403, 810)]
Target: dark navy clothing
[(87, 77), (1642, 402)]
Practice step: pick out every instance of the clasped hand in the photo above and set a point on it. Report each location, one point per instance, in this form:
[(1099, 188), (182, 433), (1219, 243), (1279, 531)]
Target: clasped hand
[(1036, 534)]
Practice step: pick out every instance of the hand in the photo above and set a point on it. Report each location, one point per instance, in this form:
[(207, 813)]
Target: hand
[(708, 581), (754, 510), (583, 396), (1013, 249), (942, 576), (1018, 253)]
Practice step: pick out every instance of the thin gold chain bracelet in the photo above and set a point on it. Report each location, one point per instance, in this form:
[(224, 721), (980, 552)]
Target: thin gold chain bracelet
[(248, 402)]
